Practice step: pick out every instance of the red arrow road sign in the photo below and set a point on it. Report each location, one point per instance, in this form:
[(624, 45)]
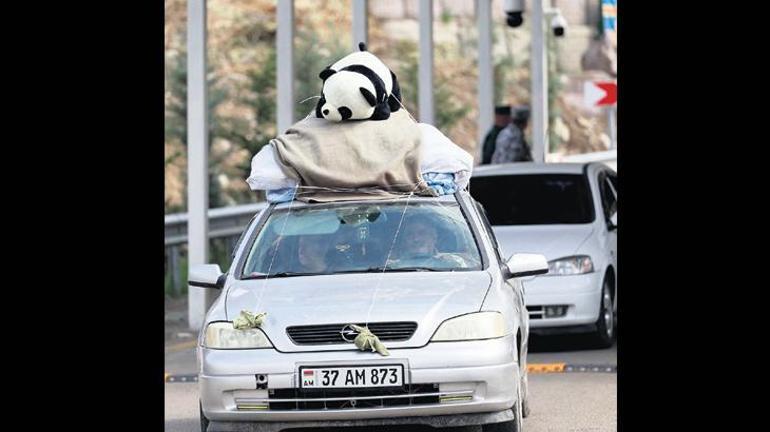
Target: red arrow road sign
[(597, 93), (612, 93)]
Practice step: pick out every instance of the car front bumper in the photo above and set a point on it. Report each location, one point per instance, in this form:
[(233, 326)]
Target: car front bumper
[(581, 294), (443, 421), (483, 372)]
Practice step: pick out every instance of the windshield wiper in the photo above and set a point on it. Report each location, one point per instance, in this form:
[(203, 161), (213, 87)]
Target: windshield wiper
[(416, 269), (367, 270), (279, 275), (390, 269)]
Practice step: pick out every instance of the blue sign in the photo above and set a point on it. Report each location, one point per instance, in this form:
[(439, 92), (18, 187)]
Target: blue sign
[(609, 14)]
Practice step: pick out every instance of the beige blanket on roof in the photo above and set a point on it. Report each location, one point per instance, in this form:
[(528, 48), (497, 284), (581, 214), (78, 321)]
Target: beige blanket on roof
[(381, 155)]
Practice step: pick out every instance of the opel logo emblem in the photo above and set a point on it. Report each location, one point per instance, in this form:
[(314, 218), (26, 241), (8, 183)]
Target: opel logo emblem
[(348, 333)]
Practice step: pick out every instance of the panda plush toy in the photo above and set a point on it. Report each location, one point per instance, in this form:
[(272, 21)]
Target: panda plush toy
[(358, 87)]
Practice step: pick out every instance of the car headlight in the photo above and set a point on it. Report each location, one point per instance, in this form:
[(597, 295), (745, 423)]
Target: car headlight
[(573, 265), (474, 326), (222, 335)]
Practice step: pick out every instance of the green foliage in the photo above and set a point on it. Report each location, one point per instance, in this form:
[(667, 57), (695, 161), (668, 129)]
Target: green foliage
[(447, 110), (181, 272), (309, 61)]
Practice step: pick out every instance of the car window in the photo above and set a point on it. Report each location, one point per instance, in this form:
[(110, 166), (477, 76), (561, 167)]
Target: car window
[(488, 228), (614, 182), (355, 237), (534, 199), (609, 202)]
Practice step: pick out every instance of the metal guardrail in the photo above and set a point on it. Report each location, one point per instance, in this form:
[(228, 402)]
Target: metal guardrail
[(223, 222)]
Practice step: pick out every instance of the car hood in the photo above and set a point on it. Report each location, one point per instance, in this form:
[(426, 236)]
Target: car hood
[(553, 241), (427, 298)]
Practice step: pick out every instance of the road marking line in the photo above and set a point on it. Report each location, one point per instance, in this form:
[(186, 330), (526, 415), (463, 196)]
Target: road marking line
[(546, 367), (564, 367)]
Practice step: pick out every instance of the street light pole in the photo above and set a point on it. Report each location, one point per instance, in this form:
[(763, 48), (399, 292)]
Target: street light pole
[(611, 126), (425, 69), (284, 42), (360, 27), (199, 299), (539, 80), (486, 80)]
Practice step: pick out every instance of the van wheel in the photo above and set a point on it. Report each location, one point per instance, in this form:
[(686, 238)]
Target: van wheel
[(605, 324)]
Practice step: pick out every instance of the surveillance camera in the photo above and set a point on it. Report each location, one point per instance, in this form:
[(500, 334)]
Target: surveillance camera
[(513, 10), (514, 19), (558, 25)]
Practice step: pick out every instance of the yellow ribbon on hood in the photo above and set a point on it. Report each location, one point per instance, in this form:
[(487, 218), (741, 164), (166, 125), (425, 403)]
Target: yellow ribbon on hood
[(247, 320), (367, 340)]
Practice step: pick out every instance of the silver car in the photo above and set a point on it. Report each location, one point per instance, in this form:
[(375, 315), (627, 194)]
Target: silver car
[(424, 275), (567, 212)]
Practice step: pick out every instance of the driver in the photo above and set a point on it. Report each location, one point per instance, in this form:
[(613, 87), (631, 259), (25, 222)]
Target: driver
[(418, 239), (417, 246), (311, 253)]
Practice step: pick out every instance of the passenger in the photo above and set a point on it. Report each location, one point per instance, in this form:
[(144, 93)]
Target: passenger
[(311, 254)]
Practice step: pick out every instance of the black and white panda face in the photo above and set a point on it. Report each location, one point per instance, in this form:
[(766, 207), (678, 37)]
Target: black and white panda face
[(356, 76), (347, 96), (370, 61)]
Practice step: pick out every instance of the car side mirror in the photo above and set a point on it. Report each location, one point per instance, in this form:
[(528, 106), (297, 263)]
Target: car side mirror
[(523, 264), (613, 222), (206, 276)]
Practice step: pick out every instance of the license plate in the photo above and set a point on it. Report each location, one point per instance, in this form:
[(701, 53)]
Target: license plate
[(352, 376)]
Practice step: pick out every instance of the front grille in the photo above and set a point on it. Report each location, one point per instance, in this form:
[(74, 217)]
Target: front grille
[(535, 312), (297, 399), (331, 333)]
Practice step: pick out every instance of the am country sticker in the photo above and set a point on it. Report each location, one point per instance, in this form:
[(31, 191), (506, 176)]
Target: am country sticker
[(308, 377)]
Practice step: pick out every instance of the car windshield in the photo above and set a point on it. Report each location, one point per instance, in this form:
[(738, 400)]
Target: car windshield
[(534, 199), (355, 237)]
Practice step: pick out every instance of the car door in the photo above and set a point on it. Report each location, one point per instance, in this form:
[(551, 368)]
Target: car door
[(611, 196), (608, 192)]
